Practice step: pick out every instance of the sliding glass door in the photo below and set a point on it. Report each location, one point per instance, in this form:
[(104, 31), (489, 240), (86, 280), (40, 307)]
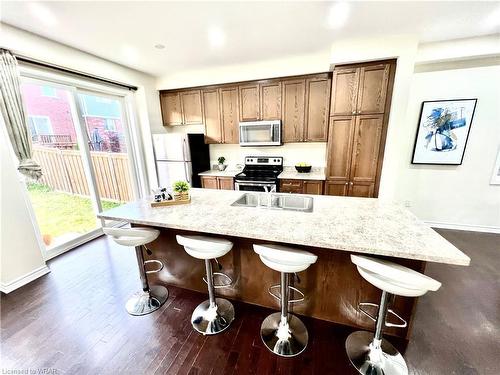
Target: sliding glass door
[(81, 140), (105, 129)]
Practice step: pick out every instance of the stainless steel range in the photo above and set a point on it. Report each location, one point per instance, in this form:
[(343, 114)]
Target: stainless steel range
[(260, 174)]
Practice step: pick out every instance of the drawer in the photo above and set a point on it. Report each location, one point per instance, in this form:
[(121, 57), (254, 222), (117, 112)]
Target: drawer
[(292, 186)]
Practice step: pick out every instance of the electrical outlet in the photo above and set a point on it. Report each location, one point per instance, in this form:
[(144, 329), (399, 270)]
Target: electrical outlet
[(407, 204)]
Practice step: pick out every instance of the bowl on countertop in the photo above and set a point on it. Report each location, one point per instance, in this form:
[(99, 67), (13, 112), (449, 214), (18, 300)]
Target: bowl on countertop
[(303, 169)]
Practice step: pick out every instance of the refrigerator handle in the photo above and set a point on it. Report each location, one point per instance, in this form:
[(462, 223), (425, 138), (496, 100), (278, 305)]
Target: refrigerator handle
[(186, 170), (184, 145)]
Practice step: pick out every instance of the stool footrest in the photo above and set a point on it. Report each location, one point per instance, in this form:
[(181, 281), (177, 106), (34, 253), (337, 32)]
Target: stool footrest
[(362, 305), (403, 324), (223, 275), (278, 296), (154, 261)]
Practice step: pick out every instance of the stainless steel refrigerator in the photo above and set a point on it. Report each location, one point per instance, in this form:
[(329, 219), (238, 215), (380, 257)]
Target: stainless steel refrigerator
[(180, 157)]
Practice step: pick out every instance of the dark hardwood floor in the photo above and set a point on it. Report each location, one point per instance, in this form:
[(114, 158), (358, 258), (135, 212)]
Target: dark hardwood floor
[(73, 321)]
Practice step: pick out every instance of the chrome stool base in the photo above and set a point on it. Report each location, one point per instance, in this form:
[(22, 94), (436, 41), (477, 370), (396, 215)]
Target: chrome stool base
[(210, 320), (386, 360), (288, 339), (143, 303)]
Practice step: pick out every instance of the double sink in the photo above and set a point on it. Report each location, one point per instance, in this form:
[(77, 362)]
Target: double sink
[(302, 203)]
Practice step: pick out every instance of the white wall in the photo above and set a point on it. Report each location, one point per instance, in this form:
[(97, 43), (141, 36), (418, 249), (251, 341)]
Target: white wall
[(146, 97), (20, 254), (312, 153), (286, 66), (455, 195), (467, 48)]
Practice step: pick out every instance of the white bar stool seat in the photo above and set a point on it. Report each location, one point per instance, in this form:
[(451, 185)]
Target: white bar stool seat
[(216, 314), (284, 259), (151, 297), (370, 353), (203, 247), (283, 333)]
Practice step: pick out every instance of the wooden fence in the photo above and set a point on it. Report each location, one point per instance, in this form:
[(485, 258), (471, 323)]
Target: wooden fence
[(63, 171)]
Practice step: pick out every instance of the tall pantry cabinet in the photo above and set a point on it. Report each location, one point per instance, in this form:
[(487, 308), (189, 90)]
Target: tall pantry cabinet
[(359, 112)]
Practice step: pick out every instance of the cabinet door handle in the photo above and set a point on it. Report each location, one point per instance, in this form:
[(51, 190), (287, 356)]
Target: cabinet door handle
[(353, 112), (347, 183), (351, 183)]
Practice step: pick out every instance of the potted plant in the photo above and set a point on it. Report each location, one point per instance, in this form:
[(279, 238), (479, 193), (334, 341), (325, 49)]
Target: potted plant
[(181, 190), (221, 161)]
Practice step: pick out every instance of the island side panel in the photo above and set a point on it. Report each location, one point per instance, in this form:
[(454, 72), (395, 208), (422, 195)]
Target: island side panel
[(332, 286)]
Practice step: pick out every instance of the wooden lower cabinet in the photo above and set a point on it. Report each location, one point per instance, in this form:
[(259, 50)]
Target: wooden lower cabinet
[(225, 183), (218, 183), (336, 188), (209, 182), (312, 187)]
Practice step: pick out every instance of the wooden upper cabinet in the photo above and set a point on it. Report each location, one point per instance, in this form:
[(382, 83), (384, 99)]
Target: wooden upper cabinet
[(340, 140), (317, 109), (171, 109), (229, 114), (366, 147), (293, 110), (191, 107), (373, 85), (344, 91), (249, 102), (270, 100), (211, 114)]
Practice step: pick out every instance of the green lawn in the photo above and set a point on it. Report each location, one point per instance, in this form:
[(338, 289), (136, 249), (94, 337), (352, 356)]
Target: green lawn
[(60, 213)]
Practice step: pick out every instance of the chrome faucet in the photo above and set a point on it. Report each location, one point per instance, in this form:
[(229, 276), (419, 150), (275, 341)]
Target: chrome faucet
[(269, 191)]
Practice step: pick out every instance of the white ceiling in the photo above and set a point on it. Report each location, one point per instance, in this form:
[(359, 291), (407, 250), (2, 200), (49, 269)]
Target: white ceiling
[(126, 32)]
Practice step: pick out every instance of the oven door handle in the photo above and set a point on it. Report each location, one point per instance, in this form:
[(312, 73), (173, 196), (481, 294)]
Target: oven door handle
[(254, 183)]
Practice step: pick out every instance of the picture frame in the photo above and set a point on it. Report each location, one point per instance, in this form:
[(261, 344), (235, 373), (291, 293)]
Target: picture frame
[(443, 131), (495, 176)]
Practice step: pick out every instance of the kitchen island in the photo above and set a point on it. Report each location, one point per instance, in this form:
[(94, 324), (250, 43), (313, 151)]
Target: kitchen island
[(337, 227)]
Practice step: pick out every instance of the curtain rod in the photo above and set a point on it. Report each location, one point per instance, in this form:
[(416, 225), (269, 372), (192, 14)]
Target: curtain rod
[(30, 60)]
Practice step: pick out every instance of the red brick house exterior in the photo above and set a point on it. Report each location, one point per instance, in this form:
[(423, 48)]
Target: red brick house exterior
[(48, 112)]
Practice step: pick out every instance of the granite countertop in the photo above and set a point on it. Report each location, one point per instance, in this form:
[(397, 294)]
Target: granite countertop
[(290, 173), (217, 173), (361, 225)]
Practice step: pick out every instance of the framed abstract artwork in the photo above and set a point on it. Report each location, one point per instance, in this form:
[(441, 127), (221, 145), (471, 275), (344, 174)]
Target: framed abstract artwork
[(442, 131)]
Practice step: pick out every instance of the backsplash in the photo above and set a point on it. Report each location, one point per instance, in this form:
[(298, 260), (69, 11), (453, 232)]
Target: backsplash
[(312, 153)]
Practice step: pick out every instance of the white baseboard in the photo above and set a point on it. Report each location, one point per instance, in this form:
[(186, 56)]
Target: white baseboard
[(468, 227), (23, 280)]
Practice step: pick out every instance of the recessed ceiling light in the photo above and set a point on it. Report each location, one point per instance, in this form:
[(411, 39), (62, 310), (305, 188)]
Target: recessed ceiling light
[(159, 46), (216, 37), (43, 14), (339, 13)]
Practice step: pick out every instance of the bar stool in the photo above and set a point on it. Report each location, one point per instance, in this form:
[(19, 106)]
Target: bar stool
[(370, 353), (151, 297), (216, 314), (282, 332)]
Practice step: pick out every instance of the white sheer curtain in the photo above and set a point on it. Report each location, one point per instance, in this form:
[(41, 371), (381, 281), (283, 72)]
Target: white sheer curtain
[(13, 114)]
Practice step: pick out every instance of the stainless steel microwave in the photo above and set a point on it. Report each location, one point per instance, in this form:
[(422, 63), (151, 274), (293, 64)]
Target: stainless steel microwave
[(260, 133)]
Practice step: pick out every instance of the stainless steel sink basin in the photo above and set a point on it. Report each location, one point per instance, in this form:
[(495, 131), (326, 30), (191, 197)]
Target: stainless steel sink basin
[(290, 202)]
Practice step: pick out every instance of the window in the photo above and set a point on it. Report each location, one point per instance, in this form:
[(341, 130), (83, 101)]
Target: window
[(49, 91), (109, 124), (39, 125)]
